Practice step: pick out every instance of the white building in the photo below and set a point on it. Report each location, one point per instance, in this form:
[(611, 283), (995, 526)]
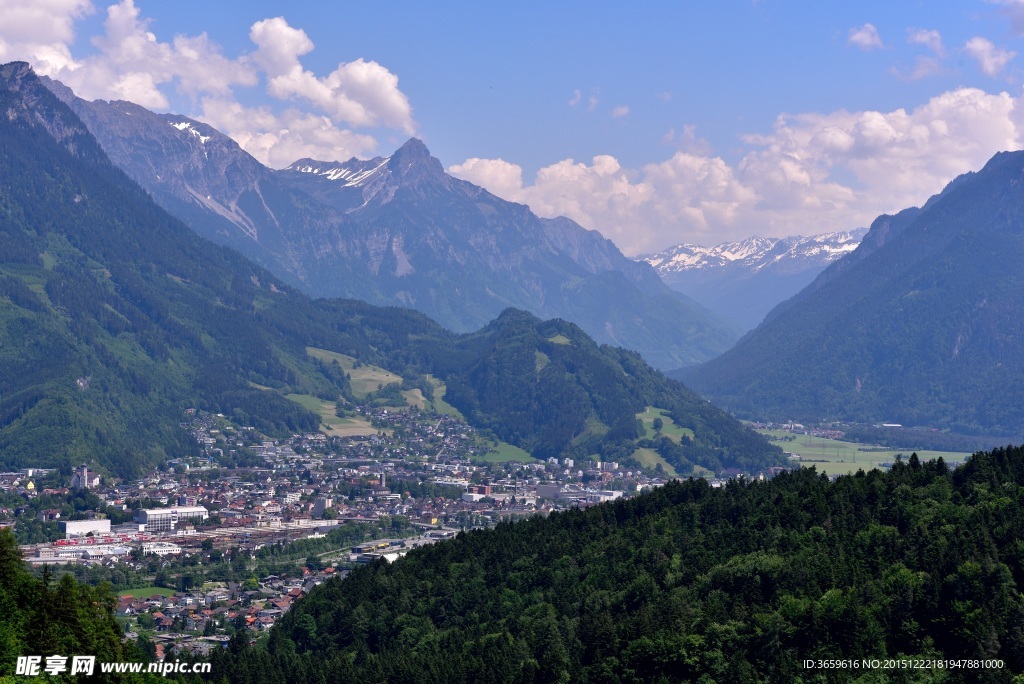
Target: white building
[(80, 528), (163, 519)]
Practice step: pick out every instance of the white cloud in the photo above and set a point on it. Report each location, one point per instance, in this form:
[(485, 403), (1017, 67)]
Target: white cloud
[(40, 31), (865, 37), (502, 178), (131, 63), (811, 173), (990, 58), (924, 65), (927, 37), (576, 97), (620, 112), (359, 93), (277, 140)]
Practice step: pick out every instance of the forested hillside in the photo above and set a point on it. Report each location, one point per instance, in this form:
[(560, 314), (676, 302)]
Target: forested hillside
[(549, 388), (44, 618), (689, 583), (922, 325), (115, 317)]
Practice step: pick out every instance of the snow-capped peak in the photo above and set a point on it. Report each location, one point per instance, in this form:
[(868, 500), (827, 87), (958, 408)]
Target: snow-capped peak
[(756, 252)]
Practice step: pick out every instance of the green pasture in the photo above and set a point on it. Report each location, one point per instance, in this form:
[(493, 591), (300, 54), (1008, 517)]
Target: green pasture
[(649, 458), (330, 423), (364, 379), (836, 457), (669, 427), (503, 452), (146, 592)]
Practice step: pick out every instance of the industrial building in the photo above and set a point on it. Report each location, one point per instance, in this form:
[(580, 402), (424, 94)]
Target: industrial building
[(166, 519)]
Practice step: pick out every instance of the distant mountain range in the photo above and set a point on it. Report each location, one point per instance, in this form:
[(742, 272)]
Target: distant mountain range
[(744, 280), (400, 231), (923, 324), (115, 317)]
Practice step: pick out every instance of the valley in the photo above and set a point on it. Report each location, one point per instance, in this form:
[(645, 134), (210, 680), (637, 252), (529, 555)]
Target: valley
[(839, 457), (604, 386)]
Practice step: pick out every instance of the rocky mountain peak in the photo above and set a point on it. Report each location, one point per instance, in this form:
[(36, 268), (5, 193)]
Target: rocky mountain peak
[(412, 162), (35, 106)]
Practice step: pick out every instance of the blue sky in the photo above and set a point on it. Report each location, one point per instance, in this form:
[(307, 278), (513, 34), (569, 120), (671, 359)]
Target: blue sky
[(655, 123)]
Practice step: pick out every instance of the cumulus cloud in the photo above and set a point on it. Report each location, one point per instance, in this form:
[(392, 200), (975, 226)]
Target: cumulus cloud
[(277, 140), (40, 31), (990, 58), (620, 112), (132, 63), (360, 93), (865, 37), (810, 173)]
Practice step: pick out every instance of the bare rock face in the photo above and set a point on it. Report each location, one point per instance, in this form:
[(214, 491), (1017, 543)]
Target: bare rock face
[(399, 230)]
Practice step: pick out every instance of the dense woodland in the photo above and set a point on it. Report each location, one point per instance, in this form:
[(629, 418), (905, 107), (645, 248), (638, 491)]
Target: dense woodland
[(688, 583), (115, 317), (922, 325), (44, 617)]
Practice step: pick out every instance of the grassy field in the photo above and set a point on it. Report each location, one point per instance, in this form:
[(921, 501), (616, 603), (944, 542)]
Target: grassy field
[(649, 458), (146, 592), (414, 397), (331, 424), (363, 379), (440, 405), (669, 429), (366, 378), (503, 452), (560, 339), (836, 457)]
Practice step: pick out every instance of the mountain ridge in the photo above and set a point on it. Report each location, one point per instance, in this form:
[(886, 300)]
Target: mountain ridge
[(405, 233), (921, 325), (115, 317), (745, 280)]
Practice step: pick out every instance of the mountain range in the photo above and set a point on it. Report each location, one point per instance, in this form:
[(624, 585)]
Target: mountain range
[(398, 230), (744, 280), (115, 317), (923, 324)]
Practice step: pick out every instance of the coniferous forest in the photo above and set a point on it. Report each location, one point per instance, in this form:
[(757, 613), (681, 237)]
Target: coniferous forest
[(690, 583)]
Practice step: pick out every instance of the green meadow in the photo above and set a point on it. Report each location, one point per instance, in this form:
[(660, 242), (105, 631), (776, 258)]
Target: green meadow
[(836, 457)]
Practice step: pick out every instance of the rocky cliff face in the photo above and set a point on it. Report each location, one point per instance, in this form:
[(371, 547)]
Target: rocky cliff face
[(399, 230)]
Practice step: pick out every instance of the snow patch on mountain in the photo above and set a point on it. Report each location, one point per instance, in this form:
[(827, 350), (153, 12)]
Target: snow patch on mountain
[(187, 126), (353, 173)]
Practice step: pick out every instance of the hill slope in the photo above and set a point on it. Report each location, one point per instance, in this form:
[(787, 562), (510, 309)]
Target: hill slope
[(400, 231), (114, 317), (688, 583), (923, 324)]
